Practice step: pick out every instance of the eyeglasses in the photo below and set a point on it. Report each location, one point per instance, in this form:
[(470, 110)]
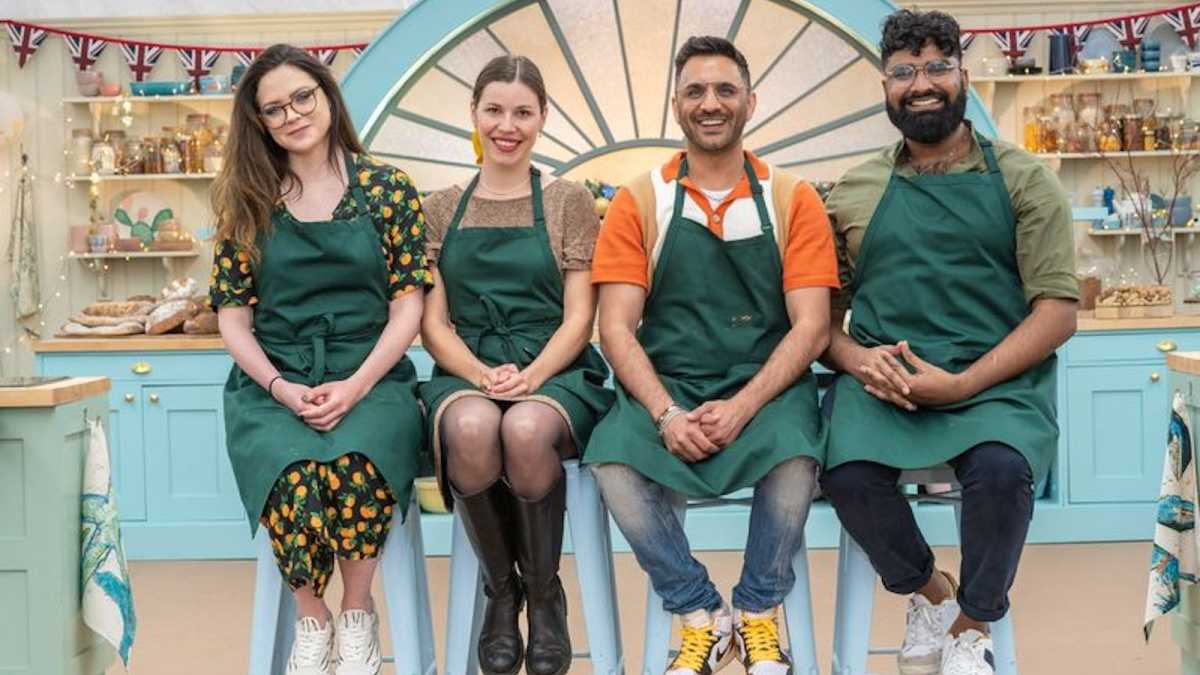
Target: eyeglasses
[(936, 70), (302, 102)]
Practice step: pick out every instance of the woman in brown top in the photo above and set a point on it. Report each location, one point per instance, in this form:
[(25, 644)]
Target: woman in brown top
[(517, 386)]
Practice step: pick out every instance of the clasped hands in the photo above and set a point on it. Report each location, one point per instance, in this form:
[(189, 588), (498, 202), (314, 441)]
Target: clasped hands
[(324, 406), (707, 429), (919, 383), (508, 381)]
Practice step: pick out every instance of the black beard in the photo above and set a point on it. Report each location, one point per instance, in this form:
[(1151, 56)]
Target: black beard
[(933, 126), (737, 122)]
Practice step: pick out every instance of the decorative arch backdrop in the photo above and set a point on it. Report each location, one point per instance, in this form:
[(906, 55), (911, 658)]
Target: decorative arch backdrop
[(608, 69)]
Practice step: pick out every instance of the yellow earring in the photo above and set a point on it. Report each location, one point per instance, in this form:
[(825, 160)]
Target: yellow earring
[(477, 144)]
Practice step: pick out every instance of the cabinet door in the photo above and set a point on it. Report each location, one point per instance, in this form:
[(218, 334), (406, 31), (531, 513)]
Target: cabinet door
[(125, 449), (187, 469), (1118, 430)]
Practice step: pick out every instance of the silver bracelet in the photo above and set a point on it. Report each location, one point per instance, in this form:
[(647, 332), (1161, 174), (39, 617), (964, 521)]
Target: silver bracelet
[(669, 414)]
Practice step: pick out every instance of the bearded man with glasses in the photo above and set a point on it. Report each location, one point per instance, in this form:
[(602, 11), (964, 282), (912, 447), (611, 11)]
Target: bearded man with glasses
[(957, 262)]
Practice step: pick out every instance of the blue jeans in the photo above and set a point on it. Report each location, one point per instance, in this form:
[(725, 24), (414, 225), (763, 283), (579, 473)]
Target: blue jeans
[(645, 512)]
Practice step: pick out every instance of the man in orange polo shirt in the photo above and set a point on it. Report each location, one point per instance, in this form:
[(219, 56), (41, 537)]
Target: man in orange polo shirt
[(714, 274)]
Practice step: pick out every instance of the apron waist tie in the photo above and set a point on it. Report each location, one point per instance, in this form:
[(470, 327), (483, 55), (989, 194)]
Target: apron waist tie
[(318, 342), (497, 326)]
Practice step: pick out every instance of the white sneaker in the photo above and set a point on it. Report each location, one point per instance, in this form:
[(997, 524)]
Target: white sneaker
[(925, 632), (968, 654), (312, 649), (358, 643), (706, 645), (756, 635)]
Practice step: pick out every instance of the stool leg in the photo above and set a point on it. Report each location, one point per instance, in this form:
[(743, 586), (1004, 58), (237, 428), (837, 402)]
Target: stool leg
[(465, 606), (407, 601), (797, 610), (593, 564), (424, 619), (272, 626), (658, 619), (855, 604)]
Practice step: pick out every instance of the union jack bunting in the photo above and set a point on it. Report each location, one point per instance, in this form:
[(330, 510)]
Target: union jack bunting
[(141, 58), (357, 51), (965, 40), (85, 49), (1013, 43), (245, 56), (1128, 31), (1186, 22), (198, 61), (1078, 33), (323, 55), (25, 40)]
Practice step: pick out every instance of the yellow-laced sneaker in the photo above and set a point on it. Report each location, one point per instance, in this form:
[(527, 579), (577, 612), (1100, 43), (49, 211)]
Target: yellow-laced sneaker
[(757, 637), (707, 643)]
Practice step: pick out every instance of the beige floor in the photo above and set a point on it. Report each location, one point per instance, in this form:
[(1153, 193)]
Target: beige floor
[(1078, 611)]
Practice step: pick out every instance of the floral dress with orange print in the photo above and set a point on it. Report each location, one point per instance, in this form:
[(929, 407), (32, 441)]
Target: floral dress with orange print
[(396, 209)]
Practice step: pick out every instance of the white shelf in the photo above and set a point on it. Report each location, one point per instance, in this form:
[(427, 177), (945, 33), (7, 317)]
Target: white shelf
[(117, 178), (182, 98), (1097, 77), (130, 255), (1137, 232), (1116, 155)]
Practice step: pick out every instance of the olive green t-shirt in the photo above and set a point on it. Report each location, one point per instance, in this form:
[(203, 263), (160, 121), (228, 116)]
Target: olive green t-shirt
[(1045, 240)]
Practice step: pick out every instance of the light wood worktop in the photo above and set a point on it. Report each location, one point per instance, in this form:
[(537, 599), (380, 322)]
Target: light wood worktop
[(53, 394), (1088, 323), (136, 343), (1184, 362)]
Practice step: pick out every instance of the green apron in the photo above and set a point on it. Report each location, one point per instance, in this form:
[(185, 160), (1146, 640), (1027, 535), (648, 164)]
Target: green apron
[(938, 267), (323, 303), (505, 296), (714, 315)]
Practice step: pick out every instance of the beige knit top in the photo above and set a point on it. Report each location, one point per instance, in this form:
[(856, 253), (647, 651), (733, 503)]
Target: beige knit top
[(571, 220)]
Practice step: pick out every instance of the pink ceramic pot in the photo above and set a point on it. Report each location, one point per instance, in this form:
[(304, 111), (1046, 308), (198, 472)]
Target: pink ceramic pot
[(77, 238), (89, 82), (110, 88)]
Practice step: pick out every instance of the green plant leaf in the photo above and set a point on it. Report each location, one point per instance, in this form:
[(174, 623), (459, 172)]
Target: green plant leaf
[(142, 231), (123, 218), (160, 218)]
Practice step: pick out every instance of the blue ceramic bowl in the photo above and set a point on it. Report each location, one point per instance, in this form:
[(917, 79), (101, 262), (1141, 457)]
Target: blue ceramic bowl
[(161, 88), (213, 85)]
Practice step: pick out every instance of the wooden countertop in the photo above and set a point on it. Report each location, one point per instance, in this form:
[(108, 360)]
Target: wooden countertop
[(136, 343), (1089, 323), (1184, 362), (53, 394), (156, 343)]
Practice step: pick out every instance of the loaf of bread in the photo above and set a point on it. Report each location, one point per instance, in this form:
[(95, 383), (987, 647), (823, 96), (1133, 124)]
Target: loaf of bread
[(72, 329), (90, 320), (204, 323), (169, 316), (119, 308)]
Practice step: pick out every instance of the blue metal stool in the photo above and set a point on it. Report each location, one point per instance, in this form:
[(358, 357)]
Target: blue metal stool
[(856, 591), (593, 564), (404, 587), (797, 608)]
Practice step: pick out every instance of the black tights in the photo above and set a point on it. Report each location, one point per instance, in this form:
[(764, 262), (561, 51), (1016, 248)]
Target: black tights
[(525, 443)]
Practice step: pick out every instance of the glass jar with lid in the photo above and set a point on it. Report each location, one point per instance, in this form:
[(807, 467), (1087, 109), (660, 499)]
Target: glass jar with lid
[(104, 157), (1087, 108), (168, 152), (1032, 130), (200, 136), (214, 156), (117, 138), (151, 157), (81, 152)]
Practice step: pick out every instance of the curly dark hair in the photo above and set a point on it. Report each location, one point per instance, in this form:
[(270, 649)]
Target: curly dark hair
[(910, 30), (710, 45)]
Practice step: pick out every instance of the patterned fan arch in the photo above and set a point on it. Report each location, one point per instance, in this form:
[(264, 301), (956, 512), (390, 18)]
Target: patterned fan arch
[(607, 65)]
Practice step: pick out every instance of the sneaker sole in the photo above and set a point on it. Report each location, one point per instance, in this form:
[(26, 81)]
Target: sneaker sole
[(920, 668)]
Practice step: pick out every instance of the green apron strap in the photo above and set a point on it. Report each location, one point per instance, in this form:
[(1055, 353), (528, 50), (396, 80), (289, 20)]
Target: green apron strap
[(764, 216), (360, 199), (997, 179), (535, 193), (462, 205)]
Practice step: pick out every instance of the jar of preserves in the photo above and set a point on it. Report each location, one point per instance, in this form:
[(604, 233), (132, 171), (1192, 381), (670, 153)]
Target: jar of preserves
[(1032, 136), (132, 160), (151, 159), (200, 137), (1131, 133)]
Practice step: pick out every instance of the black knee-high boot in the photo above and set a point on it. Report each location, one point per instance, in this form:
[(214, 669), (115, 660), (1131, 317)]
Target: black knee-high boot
[(487, 517), (539, 547)]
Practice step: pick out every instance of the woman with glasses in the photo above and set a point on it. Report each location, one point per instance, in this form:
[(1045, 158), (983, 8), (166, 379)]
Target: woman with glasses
[(517, 387), (318, 276)]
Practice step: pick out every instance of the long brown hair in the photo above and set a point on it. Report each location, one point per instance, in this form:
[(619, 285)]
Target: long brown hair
[(250, 183)]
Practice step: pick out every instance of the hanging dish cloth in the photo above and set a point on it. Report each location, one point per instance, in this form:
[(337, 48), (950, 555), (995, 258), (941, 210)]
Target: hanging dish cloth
[(1173, 560), (107, 597), (22, 250)]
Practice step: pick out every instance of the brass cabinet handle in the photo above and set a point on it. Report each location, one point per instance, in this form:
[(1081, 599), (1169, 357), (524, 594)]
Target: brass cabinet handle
[(129, 398), (1154, 377), (154, 398), (140, 368), (1167, 346)]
